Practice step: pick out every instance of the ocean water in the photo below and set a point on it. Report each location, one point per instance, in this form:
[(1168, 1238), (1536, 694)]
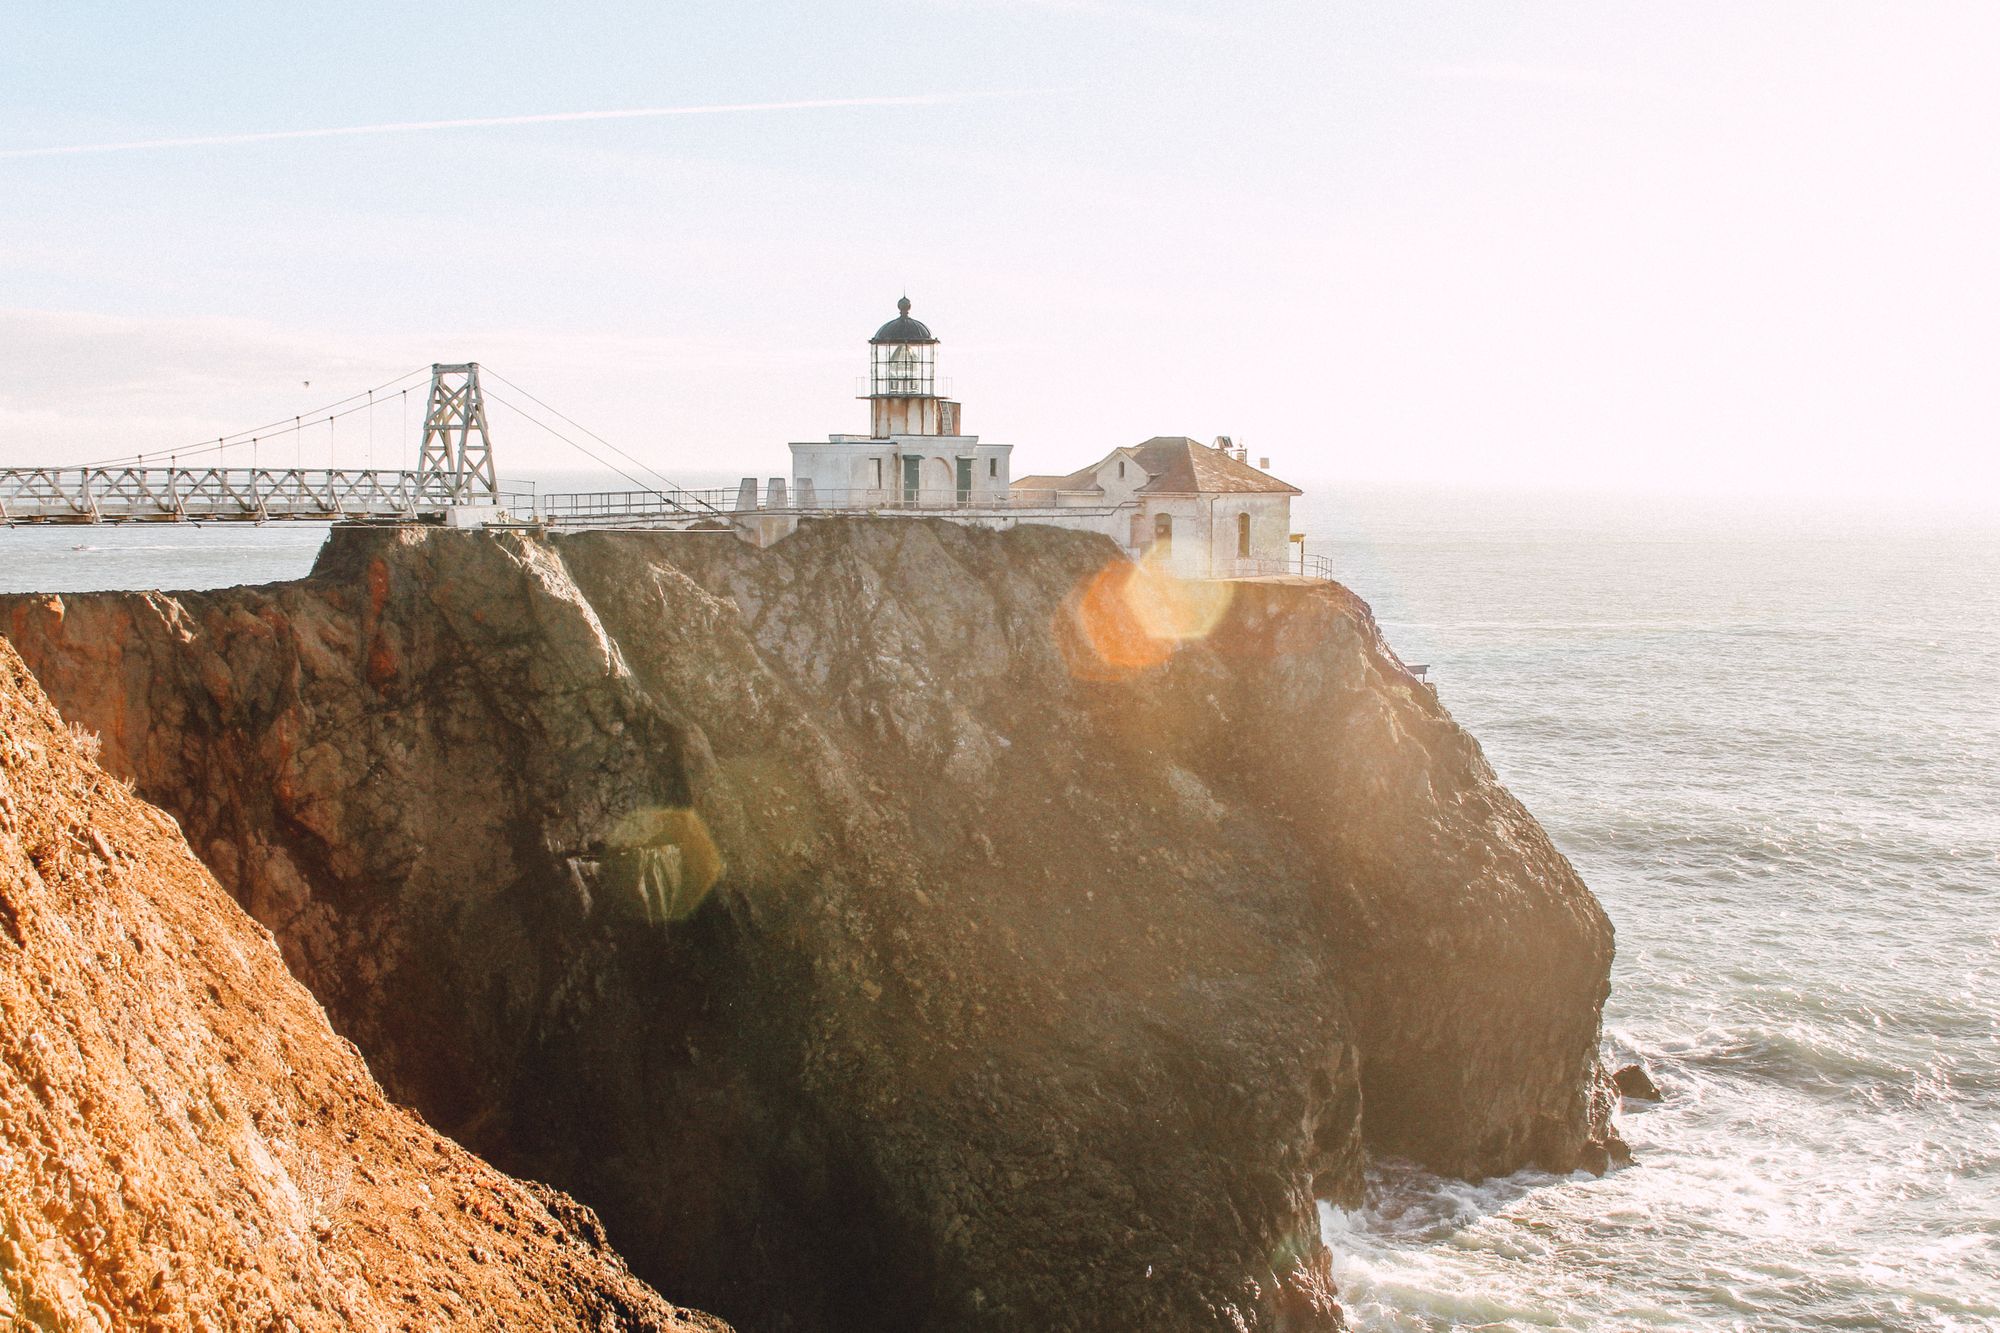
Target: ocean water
[(1770, 741), (1769, 737)]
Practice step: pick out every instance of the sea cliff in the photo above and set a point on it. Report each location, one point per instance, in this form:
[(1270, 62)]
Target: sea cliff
[(902, 927), (186, 1144)]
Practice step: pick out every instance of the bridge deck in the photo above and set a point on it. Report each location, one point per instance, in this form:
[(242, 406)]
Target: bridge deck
[(138, 494)]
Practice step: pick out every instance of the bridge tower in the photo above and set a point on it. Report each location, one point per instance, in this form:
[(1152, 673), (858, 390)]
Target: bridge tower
[(453, 467)]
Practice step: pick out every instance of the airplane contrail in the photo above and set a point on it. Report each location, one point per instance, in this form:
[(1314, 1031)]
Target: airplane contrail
[(485, 122)]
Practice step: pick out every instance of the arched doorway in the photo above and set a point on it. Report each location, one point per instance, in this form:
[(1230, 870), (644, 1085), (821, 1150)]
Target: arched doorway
[(1163, 534), (937, 482)]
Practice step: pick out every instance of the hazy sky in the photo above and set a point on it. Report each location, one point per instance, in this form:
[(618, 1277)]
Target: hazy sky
[(1711, 246)]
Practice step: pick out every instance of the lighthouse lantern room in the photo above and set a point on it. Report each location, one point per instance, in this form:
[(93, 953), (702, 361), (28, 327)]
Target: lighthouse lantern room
[(902, 380)]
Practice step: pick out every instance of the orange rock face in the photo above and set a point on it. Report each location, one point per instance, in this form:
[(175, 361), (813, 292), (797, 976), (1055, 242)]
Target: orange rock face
[(184, 1141)]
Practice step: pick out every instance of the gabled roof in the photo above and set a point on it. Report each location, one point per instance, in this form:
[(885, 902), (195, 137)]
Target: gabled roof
[(1174, 465), (1086, 480), (1177, 465)]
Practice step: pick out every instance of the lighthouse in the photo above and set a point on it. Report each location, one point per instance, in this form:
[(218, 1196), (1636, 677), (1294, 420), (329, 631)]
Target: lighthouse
[(902, 380), (1198, 510), (914, 455)]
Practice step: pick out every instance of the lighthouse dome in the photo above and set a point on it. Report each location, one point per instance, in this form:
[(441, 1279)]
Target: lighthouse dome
[(903, 329)]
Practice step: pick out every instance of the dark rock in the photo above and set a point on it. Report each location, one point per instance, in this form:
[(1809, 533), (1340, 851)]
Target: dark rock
[(881, 930), (1633, 1081), (1595, 1158)]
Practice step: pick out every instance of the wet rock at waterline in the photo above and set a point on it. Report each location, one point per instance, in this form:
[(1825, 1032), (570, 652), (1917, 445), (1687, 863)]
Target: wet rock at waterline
[(1633, 1081)]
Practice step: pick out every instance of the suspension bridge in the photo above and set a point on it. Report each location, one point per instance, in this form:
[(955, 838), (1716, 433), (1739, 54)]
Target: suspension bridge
[(454, 481)]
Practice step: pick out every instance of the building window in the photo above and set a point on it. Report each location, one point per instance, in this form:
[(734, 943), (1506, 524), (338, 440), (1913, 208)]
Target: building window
[(1121, 469), (878, 474), (1163, 533), (902, 370), (992, 467), (1243, 534)]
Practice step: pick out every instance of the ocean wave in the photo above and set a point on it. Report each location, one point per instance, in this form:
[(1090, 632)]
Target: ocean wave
[(1818, 1061), (1739, 1243)]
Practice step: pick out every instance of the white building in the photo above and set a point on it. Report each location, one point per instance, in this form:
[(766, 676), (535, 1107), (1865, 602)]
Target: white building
[(1200, 510), (1194, 507), (914, 455)]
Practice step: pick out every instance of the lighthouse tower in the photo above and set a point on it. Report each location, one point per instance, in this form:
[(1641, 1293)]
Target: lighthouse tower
[(902, 380), (914, 455)]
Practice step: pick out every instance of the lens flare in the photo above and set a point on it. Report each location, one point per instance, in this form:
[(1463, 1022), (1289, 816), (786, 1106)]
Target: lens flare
[(1128, 618), (663, 862)]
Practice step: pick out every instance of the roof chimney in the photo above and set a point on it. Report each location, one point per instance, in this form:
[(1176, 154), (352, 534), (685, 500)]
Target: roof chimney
[(1263, 465)]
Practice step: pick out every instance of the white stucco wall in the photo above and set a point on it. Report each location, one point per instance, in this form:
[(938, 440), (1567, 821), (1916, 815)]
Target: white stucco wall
[(843, 468), (1140, 535), (1120, 489), (1204, 540), (1270, 527)]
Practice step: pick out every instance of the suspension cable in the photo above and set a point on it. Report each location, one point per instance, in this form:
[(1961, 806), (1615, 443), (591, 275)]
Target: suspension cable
[(365, 401), (241, 436), (585, 450), (683, 500), (639, 463)]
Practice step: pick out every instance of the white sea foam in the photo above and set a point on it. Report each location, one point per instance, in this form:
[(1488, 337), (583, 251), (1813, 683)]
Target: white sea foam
[(1776, 758)]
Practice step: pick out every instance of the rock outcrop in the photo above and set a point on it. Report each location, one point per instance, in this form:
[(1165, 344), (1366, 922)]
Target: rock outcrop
[(184, 1141), (901, 927), (1634, 1082)]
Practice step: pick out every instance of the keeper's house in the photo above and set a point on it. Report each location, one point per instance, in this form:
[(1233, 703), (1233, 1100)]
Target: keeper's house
[(1199, 508)]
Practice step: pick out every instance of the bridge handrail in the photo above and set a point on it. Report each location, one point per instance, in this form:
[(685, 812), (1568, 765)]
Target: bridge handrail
[(129, 491)]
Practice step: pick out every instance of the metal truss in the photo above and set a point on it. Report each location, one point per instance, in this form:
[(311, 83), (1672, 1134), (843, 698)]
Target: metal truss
[(454, 467), (115, 494)]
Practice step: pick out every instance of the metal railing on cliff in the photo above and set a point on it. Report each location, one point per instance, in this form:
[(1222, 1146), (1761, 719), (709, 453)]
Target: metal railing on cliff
[(1299, 566)]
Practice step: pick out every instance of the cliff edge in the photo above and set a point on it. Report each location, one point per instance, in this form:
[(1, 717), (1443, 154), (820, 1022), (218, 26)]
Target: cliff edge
[(905, 926), (185, 1143)]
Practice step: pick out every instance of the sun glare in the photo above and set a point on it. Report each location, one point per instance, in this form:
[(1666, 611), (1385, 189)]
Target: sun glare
[(1126, 618)]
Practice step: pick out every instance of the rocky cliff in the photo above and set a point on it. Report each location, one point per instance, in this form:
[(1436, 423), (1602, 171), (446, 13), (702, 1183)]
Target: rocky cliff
[(185, 1143), (901, 927)]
